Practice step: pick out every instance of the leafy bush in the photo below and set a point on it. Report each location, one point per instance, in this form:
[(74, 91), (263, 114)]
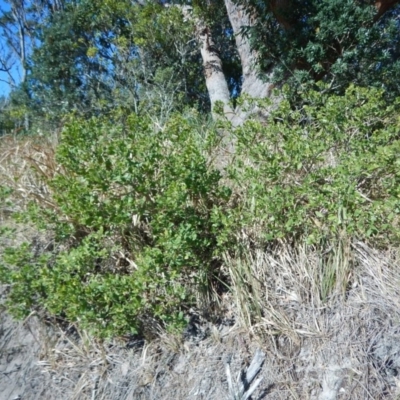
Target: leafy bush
[(136, 211), (142, 219), (328, 170)]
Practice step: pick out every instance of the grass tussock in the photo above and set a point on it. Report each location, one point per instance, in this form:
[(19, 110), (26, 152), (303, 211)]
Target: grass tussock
[(265, 281)]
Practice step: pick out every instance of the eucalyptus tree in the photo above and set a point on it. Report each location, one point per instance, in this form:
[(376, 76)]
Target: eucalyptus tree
[(19, 23), (160, 56), (300, 43)]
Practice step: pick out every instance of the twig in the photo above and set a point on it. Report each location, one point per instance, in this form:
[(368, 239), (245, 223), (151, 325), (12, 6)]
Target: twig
[(245, 386)]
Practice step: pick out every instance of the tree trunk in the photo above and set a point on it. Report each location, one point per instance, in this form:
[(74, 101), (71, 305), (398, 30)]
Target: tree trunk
[(216, 83), (252, 84)]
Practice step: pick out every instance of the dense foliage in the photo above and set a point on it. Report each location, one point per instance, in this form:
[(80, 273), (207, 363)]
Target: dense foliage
[(94, 55), (142, 219), (331, 40), (327, 170), (141, 207)]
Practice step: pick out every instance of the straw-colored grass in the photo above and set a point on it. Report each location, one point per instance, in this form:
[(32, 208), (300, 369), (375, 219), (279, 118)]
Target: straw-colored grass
[(25, 164), (345, 346)]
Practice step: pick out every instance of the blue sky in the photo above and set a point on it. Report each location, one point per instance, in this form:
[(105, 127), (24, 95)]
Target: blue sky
[(4, 87)]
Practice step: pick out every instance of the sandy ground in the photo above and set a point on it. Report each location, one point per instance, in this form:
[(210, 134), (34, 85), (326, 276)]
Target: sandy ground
[(37, 362), (20, 374)]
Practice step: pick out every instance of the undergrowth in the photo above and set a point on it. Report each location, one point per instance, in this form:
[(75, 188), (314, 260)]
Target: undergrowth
[(145, 226)]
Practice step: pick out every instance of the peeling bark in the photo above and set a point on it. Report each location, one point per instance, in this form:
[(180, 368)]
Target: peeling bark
[(216, 83), (252, 84)]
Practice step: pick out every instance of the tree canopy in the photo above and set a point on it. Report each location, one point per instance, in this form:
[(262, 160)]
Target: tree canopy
[(94, 55)]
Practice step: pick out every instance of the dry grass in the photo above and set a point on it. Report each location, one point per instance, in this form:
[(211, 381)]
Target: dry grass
[(25, 164), (331, 317), (265, 282), (346, 346)]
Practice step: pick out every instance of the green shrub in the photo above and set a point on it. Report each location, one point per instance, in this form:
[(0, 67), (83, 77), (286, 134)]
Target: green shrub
[(135, 209), (326, 171), (142, 220)]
